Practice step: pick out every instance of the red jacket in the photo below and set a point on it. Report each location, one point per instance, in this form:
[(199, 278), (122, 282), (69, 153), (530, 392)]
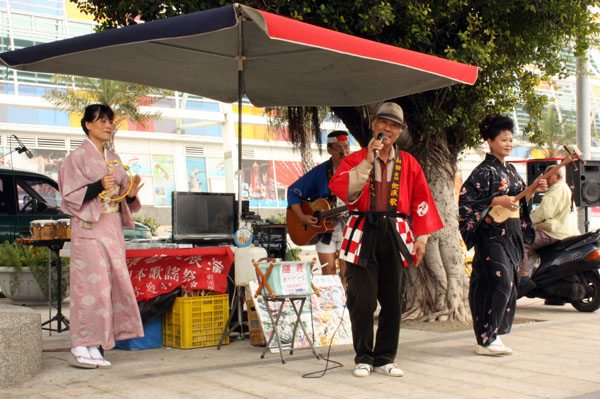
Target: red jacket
[(414, 199)]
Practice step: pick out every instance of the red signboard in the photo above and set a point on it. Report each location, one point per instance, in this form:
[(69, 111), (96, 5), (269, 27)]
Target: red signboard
[(158, 271)]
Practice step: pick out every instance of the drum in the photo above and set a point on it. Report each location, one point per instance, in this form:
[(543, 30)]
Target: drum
[(63, 229), (43, 229)]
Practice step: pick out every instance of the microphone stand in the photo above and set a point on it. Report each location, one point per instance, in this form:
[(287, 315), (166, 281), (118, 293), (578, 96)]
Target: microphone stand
[(18, 149)]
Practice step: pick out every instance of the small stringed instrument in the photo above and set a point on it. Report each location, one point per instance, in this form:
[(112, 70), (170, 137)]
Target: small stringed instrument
[(302, 234), (499, 214)]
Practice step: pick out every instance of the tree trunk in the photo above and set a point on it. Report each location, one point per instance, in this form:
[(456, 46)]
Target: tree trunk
[(110, 144), (437, 289), (307, 158)]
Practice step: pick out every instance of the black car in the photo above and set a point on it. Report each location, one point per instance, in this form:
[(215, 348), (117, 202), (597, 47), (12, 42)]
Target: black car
[(26, 196)]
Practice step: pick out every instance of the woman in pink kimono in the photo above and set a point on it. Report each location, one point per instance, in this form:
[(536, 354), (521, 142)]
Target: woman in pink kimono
[(103, 306)]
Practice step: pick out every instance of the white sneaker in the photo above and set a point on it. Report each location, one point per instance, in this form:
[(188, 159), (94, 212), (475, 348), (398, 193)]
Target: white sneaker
[(496, 348), (390, 369), (499, 344), (362, 370)]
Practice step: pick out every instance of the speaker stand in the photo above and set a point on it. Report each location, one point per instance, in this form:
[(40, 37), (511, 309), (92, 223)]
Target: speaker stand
[(586, 220), (236, 304)]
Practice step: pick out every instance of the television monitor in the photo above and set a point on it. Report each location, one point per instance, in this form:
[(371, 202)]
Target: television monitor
[(204, 218)]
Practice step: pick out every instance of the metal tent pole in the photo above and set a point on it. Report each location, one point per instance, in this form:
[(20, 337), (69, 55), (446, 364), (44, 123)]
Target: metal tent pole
[(240, 58)]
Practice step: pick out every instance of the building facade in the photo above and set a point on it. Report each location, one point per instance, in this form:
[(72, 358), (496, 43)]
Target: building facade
[(191, 147)]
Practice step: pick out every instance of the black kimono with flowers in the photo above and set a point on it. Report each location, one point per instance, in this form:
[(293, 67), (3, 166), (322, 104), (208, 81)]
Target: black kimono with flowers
[(498, 248)]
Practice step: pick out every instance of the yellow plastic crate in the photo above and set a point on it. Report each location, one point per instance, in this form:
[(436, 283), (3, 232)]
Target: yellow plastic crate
[(196, 322)]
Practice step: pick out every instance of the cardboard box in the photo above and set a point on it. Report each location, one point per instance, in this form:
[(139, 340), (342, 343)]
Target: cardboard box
[(257, 336)]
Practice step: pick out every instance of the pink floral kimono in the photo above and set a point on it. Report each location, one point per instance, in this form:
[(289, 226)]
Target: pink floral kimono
[(103, 306)]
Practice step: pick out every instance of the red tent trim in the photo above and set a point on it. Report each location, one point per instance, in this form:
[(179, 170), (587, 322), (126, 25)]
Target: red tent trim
[(291, 30)]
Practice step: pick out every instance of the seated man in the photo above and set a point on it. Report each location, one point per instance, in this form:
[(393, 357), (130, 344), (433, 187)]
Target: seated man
[(552, 221)]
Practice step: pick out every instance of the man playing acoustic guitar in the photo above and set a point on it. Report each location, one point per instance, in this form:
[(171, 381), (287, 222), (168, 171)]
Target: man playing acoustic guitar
[(315, 185)]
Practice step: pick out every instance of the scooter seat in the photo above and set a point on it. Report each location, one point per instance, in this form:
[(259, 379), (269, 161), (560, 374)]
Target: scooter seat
[(582, 239)]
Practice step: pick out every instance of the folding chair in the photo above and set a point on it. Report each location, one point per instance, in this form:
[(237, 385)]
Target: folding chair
[(281, 281)]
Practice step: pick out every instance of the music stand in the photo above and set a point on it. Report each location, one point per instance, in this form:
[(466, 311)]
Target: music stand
[(54, 246), (271, 291)]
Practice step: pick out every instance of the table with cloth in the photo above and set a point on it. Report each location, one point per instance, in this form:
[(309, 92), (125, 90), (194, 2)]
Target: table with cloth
[(158, 271)]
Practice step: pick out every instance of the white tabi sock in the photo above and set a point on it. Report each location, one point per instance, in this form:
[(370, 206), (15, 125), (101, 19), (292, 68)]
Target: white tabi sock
[(97, 356), (80, 351)]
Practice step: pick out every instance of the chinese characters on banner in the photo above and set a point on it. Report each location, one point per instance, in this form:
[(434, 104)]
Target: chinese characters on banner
[(157, 271), (294, 278)]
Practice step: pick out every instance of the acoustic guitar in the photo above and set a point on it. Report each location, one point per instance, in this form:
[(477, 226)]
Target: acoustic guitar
[(302, 234), (499, 214)]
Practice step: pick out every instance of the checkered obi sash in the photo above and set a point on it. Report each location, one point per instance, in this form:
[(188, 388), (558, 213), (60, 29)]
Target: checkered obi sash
[(358, 242)]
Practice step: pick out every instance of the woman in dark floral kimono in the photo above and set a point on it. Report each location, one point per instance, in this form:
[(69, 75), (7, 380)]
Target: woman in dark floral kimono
[(498, 246)]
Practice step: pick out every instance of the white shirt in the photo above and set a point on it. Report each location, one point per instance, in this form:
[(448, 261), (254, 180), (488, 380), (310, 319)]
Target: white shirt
[(553, 216)]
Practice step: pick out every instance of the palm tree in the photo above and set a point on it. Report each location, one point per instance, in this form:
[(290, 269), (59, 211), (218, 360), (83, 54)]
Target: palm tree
[(303, 126), (124, 98), (554, 133)]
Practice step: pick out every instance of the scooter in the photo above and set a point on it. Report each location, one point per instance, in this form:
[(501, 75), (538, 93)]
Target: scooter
[(568, 272)]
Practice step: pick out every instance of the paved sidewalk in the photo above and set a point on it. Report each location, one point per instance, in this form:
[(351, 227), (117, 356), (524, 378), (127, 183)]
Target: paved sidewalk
[(555, 357)]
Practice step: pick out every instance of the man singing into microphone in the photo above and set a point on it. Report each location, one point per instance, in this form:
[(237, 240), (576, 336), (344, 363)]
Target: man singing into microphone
[(384, 188), (314, 185)]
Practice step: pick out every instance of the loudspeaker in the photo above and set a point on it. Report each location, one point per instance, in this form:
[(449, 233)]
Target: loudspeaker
[(534, 169), (585, 183)]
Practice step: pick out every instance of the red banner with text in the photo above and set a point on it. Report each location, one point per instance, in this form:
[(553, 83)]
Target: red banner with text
[(157, 271)]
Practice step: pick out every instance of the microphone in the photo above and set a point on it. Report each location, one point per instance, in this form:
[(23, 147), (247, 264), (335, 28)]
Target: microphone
[(23, 149), (380, 137)]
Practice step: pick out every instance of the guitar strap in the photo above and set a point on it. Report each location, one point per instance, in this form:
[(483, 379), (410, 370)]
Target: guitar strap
[(329, 166), (371, 217), (326, 238)]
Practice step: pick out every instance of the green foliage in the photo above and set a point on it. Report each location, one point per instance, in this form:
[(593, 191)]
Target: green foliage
[(293, 253), (277, 219), (304, 127), (515, 43), (10, 255), (36, 258), (124, 98), (148, 221), (553, 132)]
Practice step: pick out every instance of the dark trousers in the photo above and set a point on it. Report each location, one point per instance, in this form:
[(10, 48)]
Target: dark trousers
[(381, 280), (492, 289), (541, 240)]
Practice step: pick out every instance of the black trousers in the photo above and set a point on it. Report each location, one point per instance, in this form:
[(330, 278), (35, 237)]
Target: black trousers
[(381, 280), (492, 288)]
